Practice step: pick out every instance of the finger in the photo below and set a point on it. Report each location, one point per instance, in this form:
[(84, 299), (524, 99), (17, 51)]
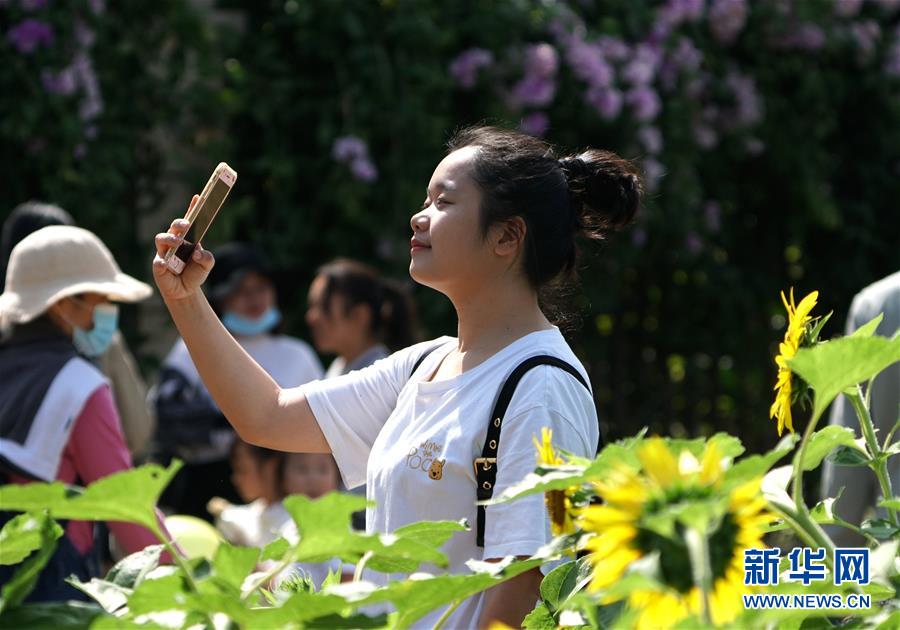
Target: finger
[(203, 257), (193, 202), (179, 227), (166, 241)]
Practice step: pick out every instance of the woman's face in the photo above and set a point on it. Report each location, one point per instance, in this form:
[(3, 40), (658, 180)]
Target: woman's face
[(448, 250), (333, 326), (76, 311), (310, 474), (253, 296)]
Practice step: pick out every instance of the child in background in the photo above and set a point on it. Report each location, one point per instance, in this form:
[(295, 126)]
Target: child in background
[(312, 475), (264, 478), (258, 477)]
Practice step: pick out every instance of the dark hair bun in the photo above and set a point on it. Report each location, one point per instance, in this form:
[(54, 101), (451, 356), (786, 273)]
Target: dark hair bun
[(605, 190)]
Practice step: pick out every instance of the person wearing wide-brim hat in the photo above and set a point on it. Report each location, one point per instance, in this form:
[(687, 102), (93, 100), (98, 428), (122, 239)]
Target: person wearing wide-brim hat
[(57, 416), (190, 425)]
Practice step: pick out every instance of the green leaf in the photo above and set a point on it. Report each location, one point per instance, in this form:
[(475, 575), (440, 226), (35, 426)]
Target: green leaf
[(823, 512), (325, 533), (26, 576), (823, 442), (881, 528), (849, 456), (432, 533), (350, 621), (415, 598), (868, 329), (165, 593), (758, 465), (727, 445), (132, 569), (831, 367), (232, 564), (20, 536), (54, 615), (110, 596), (539, 619), (615, 455), (275, 550), (129, 496), (566, 579)]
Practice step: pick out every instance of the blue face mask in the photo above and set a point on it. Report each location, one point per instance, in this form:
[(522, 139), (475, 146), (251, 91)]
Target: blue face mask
[(245, 327), (94, 342)]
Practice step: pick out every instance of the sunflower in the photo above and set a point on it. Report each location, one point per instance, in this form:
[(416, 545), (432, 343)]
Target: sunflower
[(559, 502), (622, 535), (798, 318)]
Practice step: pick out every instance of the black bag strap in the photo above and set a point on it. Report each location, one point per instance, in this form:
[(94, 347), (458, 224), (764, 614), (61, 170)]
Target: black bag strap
[(419, 361), (486, 465)]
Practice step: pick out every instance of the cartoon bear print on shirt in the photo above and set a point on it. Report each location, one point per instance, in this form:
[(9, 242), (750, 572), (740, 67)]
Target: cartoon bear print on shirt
[(437, 469)]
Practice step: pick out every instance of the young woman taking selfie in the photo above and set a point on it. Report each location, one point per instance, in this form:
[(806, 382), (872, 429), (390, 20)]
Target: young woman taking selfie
[(499, 224)]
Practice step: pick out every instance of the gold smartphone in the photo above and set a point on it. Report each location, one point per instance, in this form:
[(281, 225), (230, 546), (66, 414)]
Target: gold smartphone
[(201, 215)]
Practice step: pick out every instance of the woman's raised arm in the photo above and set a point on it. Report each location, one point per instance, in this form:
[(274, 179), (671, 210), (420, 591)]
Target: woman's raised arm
[(261, 412)]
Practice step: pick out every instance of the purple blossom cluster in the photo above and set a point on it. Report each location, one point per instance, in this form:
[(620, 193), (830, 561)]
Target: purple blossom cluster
[(727, 19), (535, 124), (865, 35), (354, 152), (537, 87), (847, 8), (29, 34), (79, 75), (892, 56), (465, 67)]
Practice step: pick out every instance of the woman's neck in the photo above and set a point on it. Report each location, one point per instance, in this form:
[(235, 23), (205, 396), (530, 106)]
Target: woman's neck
[(496, 315), (354, 349)]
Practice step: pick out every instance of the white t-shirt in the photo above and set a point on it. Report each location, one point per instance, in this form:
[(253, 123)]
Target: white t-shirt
[(389, 432)]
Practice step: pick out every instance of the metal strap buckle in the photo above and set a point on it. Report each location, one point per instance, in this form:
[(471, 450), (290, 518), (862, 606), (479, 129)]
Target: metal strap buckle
[(485, 462)]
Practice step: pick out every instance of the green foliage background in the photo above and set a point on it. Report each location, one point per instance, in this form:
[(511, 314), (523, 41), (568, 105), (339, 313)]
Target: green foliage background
[(678, 337)]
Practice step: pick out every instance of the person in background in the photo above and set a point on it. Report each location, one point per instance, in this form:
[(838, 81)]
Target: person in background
[(263, 479), (190, 425), (312, 475), (57, 417), (258, 475), (117, 363), (860, 486), (355, 314)]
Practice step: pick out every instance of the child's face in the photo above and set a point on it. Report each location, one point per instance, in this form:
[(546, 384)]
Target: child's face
[(253, 479), (310, 474)]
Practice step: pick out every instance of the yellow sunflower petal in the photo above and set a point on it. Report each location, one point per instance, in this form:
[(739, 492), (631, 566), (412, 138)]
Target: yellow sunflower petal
[(596, 518), (711, 465), (611, 568), (658, 462), (659, 610), (610, 540)]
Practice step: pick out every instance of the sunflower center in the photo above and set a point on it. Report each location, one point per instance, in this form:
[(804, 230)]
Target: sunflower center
[(674, 558)]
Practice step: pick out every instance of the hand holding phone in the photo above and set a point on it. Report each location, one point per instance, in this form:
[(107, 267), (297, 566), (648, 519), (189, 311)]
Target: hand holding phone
[(201, 215)]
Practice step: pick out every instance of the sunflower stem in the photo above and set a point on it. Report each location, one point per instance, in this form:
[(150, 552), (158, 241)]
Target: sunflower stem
[(878, 466), (698, 548)]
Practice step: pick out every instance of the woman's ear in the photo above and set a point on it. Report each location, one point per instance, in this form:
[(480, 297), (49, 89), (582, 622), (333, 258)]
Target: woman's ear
[(510, 236)]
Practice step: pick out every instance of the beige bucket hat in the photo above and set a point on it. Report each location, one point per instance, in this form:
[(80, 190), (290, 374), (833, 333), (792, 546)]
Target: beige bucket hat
[(57, 262)]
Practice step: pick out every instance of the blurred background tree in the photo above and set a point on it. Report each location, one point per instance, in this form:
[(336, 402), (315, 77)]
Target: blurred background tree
[(769, 134)]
